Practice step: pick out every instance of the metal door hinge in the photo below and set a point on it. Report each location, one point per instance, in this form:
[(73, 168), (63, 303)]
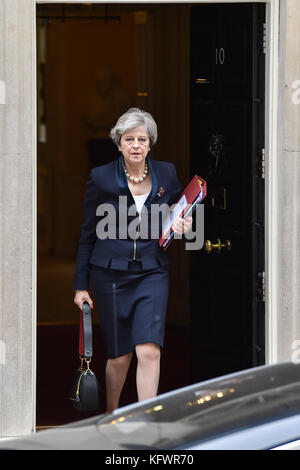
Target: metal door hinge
[(264, 38), (261, 164), (261, 286)]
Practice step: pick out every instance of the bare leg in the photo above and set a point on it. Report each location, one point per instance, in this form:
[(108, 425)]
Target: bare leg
[(115, 375), (148, 369)]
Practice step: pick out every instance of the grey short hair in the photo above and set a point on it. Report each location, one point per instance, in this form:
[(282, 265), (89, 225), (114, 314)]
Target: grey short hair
[(133, 118)]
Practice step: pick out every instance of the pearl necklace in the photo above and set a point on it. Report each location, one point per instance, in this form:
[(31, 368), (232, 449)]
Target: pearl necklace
[(138, 180)]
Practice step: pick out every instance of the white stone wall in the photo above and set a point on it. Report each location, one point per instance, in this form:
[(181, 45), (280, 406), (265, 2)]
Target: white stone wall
[(288, 312), (18, 201), (17, 220)]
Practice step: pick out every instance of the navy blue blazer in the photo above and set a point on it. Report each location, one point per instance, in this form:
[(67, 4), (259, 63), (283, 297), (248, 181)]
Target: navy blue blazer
[(105, 185)]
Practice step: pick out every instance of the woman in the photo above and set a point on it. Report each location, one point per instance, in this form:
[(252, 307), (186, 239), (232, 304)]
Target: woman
[(129, 275)]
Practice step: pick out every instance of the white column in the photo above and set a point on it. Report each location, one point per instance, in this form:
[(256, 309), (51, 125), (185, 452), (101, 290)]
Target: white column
[(17, 217), (288, 311)]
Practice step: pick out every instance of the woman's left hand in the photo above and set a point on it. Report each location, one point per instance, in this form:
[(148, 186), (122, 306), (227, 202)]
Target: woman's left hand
[(181, 226)]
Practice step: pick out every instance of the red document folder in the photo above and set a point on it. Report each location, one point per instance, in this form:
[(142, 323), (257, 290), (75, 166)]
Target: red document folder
[(193, 194)]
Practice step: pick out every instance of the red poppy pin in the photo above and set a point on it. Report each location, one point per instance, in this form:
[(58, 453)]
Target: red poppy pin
[(160, 191)]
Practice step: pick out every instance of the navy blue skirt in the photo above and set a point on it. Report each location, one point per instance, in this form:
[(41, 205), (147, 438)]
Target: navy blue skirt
[(132, 306)]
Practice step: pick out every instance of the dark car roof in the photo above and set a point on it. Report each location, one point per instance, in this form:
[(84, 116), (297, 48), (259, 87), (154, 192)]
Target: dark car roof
[(214, 410), (208, 409)]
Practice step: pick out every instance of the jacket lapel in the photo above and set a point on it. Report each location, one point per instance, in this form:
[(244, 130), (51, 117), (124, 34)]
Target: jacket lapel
[(154, 181), (123, 184), (122, 180)]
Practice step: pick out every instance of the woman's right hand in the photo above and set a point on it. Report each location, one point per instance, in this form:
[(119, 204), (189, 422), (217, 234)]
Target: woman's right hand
[(82, 296)]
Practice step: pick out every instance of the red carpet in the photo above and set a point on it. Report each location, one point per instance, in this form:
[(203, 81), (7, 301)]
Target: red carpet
[(58, 358)]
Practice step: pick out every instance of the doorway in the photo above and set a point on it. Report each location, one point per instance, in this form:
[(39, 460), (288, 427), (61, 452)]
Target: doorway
[(159, 74), (90, 56)]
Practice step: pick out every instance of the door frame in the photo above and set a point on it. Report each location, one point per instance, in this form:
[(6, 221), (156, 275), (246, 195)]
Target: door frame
[(271, 170)]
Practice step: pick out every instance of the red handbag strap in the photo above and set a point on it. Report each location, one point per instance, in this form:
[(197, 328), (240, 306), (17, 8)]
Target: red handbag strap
[(86, 332), (81, 346)]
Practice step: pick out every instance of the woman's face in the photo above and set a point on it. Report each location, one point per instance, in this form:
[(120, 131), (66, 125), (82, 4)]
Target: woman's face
[(135, 145)]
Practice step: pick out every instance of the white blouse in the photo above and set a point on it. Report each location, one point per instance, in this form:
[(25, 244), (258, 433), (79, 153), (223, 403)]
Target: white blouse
[(140, 200)]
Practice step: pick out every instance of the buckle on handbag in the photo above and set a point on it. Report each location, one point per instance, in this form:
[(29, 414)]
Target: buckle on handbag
[(87, 361)]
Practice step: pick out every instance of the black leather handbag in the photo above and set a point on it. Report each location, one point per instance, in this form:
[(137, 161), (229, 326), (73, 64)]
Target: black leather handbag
[(85, 389)]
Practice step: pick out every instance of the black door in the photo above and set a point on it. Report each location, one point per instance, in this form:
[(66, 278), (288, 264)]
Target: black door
[(227, 141)]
